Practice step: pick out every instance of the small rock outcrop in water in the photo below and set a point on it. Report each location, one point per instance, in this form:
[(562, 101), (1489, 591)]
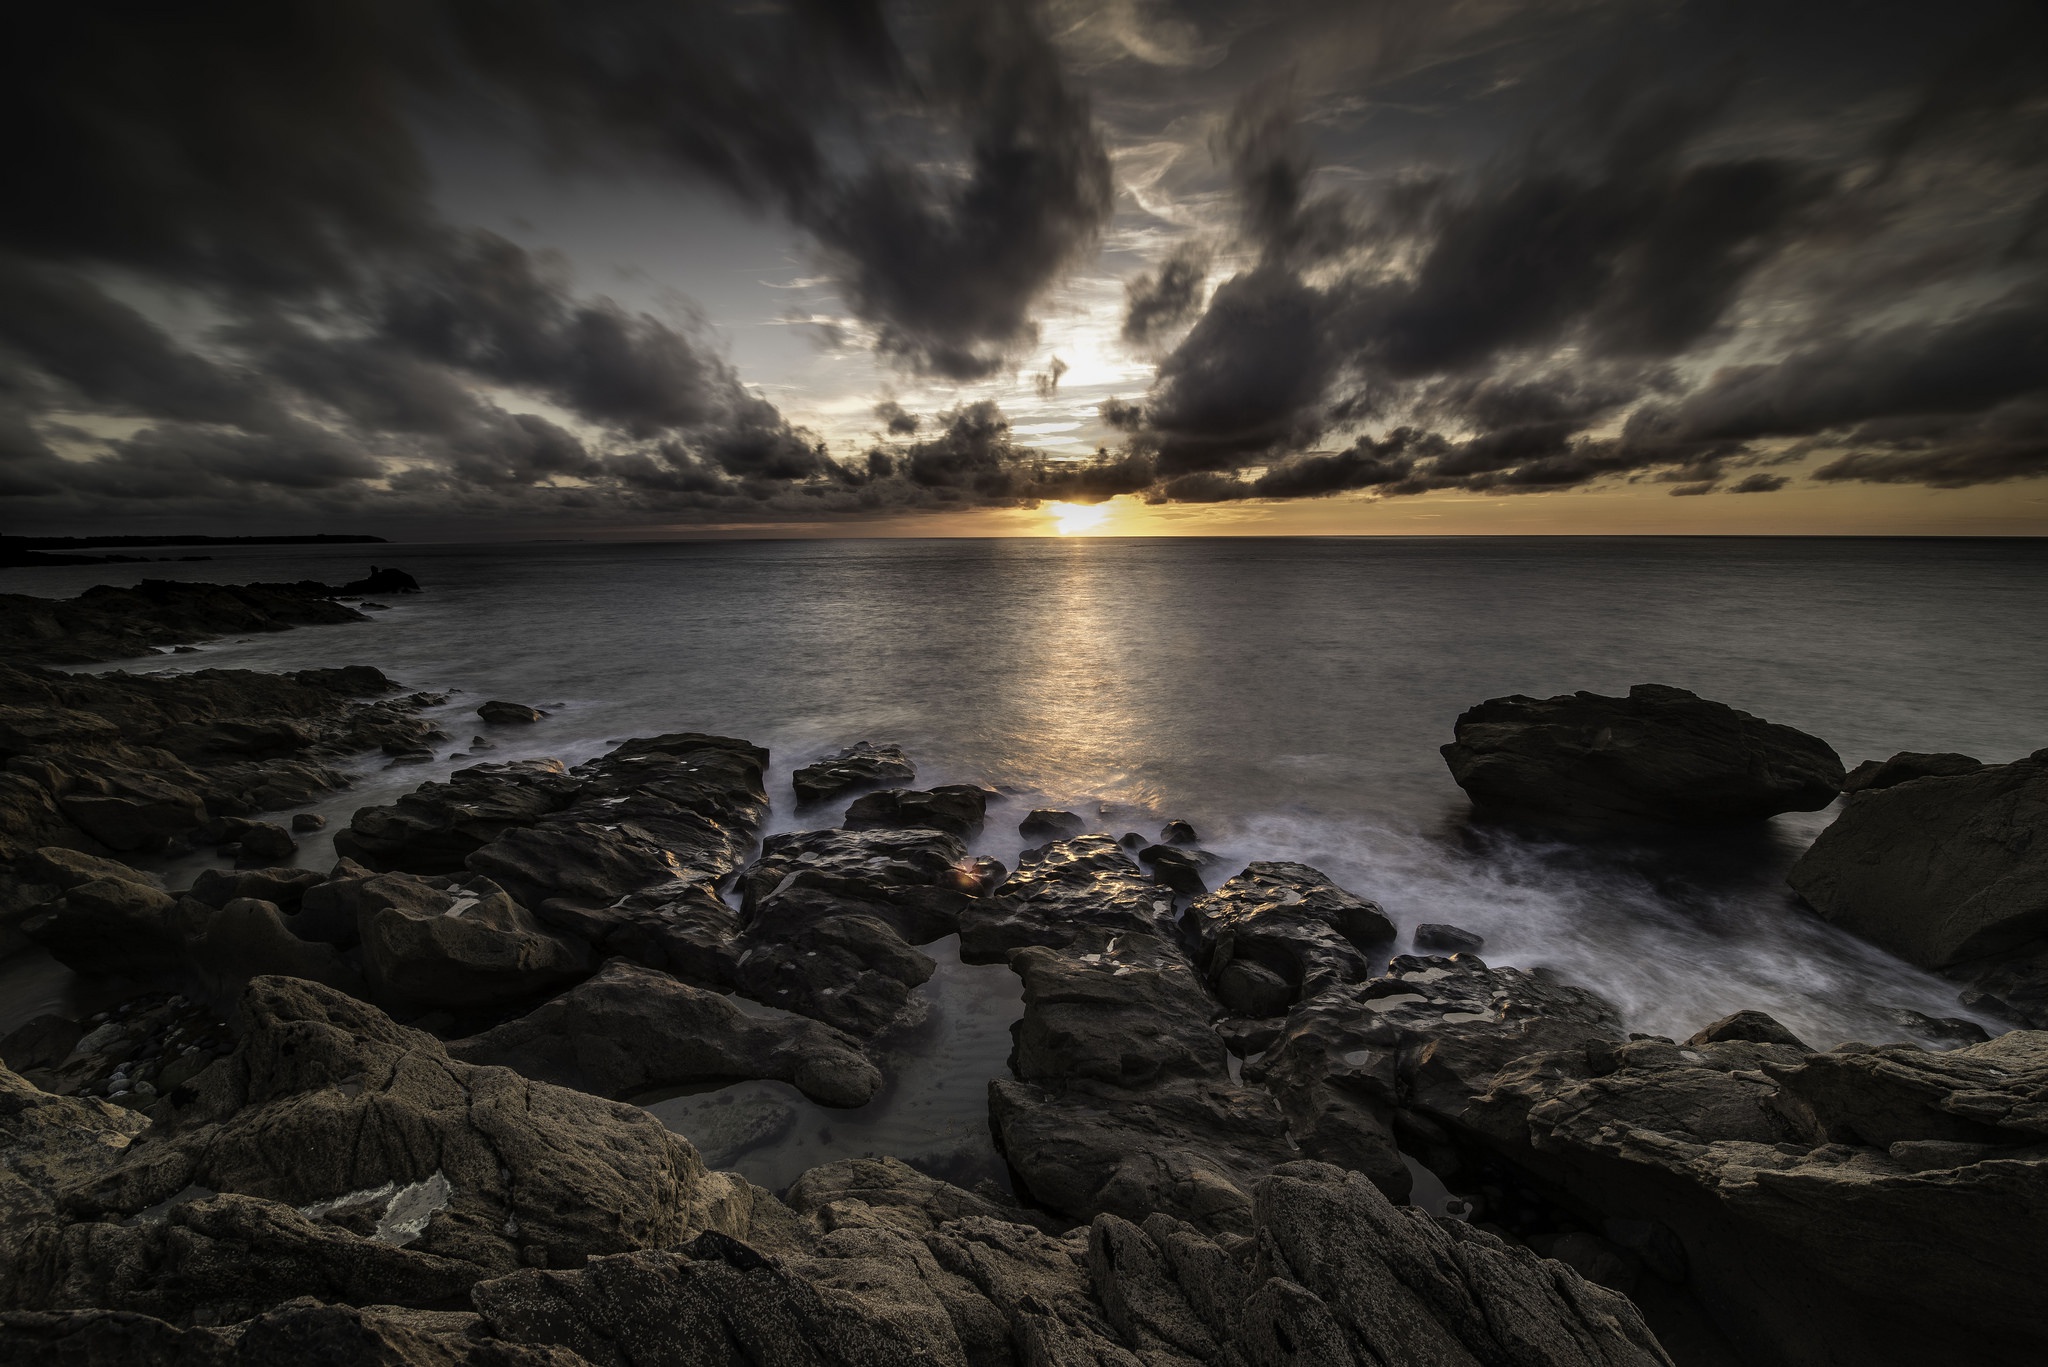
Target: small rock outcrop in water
[(1659, 757), (956, 808), (859, 766), (106, 623), (1434, 937), (1949, 871), (499, 713), (1046, 823)]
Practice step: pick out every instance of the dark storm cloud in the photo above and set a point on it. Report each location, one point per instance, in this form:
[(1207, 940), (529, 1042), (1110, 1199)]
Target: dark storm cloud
[(899, 420), (1156, 302)]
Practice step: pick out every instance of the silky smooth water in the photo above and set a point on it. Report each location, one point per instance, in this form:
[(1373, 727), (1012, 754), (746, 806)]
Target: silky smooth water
[(1286, 696)]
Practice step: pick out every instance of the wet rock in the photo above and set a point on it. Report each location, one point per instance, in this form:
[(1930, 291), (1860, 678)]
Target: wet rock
[(956, 808), (108, 926), (917, 880), (1940, 870), (1789, 1177), (122, 807), (222, 948), (1178, 833), (1177, 869), (499, 713), (43, 1043), (325, 1107), (815, 956), (263, 844), (1428, 1035), (1293, 923), (1131, 840), (859, 766), (200, 742), (1251, 989), (435, 828), (631, 1030), (106, 623), (467, 945), (305, 822), (1045, 823), (681, 927), (1906, 766), (1072, 886), (1754, 1026), (1659, 757), (1434, 937)]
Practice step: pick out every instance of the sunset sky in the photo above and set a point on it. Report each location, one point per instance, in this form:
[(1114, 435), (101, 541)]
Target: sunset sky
[(450, 268)]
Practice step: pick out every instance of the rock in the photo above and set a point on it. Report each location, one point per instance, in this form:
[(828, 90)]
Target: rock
[(200, 742), (381, 579), (108, 926), (304, 822), (1131, 840), (125, 808), (467, 946), (265, 843), (956, 808), (1074, 886), (1753, 1026), (822, 959), (43, 1042), (918, 880), (1354, 1062), (1293, 923), (327, 1112), (1659, 757), (1044, 823), (1942, 871), (1178, 833), (105, 623), (285, 886), (681, 927), (51, 1144), (1176, 868), (1251, 989), (1789, 1179), (1906, 766), (509, 713), (631, 1030), (435, 828), (861, 765), (1434, 937), (223, 948)]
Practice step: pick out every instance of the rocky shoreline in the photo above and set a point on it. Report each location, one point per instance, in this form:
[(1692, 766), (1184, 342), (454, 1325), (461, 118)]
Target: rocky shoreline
[(381, 1113)]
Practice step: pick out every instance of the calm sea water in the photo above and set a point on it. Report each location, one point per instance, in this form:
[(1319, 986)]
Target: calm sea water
[(1286, 696)]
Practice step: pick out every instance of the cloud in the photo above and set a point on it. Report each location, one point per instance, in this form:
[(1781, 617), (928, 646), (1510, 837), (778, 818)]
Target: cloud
[(1157, 302)]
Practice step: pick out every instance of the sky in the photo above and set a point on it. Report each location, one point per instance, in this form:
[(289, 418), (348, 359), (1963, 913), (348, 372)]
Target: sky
[(487, 269)]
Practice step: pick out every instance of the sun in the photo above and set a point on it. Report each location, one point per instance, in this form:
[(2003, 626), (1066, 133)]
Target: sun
[(1077, 519)]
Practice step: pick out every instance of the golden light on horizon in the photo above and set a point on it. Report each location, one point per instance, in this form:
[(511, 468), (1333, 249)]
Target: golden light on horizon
[(1077, 519)]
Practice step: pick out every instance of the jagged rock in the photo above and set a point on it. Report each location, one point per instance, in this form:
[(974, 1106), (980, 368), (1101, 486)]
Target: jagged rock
[(1075, 885), (1045, 823), (1178, 833), (200, 742), (124, 808), (680, 927), (1432, 937), (821, 958), (630, 1030), (439, 825), (285, 886), (1906, 766), (464, 946), (1292, 922), (1791, 1178), (1659, 757), (917, 880), (956, 808), (1176, 868), (1753, 1026), (1351, 1063), (1939, 870), (326, 1111), (222, 948), (509, 713), (264, 843), (861, 765), (106, 623)]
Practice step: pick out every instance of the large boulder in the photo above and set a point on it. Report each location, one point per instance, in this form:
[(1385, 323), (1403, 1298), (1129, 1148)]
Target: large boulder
[(1942, 869), (436, 827), (467, 945), (1064, 890), (631, 1030), (1659, 757), (1855, 1206), (956, 808), (861, 765), (337, 1154), (111, 924)]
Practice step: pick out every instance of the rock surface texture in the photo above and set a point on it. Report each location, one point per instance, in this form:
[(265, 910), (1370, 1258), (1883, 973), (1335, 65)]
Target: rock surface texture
[(1659, 757), (860, 766)]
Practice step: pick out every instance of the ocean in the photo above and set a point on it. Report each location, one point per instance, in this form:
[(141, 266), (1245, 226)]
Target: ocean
[(1287, 697)]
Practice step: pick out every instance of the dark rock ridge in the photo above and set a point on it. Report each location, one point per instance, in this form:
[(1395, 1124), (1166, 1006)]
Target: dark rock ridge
[(1855, 1206), (120, 763), (1046, 823), (955, 808), (500, 713), (1906, 766), (106, 623), (861, 765), (1659, 757), (1279, 932)]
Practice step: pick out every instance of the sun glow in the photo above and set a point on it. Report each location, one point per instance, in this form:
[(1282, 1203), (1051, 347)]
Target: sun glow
[(1077, 519)]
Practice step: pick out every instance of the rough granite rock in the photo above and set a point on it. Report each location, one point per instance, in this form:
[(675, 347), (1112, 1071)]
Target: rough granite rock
[(1072, 886), (1906, 766), (1855, 1206), (955, 808), (1294, 923), (1939, 870), (439, 825), (631, 1030), (1659, 757), (1352, 1066), (337, 1154), (464, 946), (1047, 823), (861, 765)]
